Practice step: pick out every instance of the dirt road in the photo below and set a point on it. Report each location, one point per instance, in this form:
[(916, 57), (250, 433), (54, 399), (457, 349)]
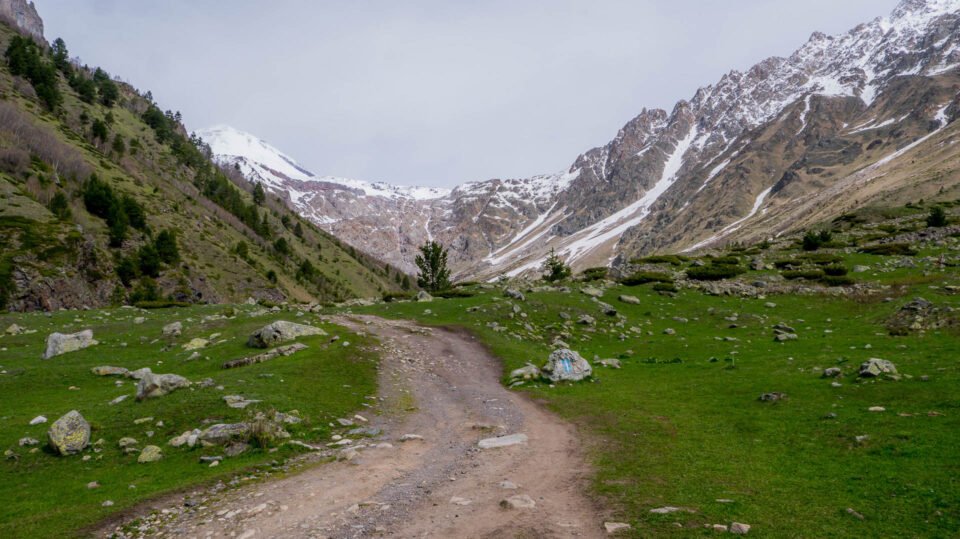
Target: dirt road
[(443, 485)]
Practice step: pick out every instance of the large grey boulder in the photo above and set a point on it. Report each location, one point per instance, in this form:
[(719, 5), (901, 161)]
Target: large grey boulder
[(424, 296), (61, 343), (280, 331), (157, 385), (221, 433), (172, 330), (565, 364), (632, 300), (874, 367), (70, 434)]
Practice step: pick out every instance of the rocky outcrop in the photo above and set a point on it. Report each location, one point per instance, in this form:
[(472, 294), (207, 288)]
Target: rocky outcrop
[(156, 385), (23, 15)]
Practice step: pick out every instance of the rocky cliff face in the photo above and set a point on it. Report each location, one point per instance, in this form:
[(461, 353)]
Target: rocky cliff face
[(741, 157), (24, 16)]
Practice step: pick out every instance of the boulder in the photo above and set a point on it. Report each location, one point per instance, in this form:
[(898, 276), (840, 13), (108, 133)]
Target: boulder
[(70, 434), (236, 401), (521, 501), (110, 371), (514, 293), (874, 367), (126, 442), (14, 330), (565, 364), (280, 331), (632, 300), (60, 343), (586, 320), (151, 453), (172, 330), (221, 433), (157, 385), (424, 296), (739, 528)]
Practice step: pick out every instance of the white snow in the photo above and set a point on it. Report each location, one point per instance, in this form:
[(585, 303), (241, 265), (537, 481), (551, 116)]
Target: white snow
[(615, 225), (803, 116), (736, 225)]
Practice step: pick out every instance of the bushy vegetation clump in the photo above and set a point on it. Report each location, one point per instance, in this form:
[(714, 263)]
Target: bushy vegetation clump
[(714, 272), (644, 277)]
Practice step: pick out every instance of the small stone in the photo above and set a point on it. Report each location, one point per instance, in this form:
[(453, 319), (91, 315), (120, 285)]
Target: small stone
[(503, 441), (509, 485), (38, 420), (107, 503), (739, 528), (614, 527), (853, 512), (457, 500), (93, 484), (665, 510), (409, 437), (877, 409)]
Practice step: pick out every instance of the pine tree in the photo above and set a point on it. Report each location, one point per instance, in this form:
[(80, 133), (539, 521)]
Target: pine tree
[(61, 58), (432, 261), (259, 196), (555, 268)]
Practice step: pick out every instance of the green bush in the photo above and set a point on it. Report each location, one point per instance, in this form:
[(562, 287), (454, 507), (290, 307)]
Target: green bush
[(802, 274), (675, 260), (890, 249), (644, 277), (714, 273), (664, 287), (595, 274), (160, 304), (836, 270), (937, 217), (454, 293), (391, 297), (725, 261), (822, 259), (789, 262), (839, 280)]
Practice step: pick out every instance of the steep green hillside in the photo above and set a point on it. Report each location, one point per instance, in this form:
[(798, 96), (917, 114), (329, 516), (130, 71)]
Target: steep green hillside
[(104, 199)]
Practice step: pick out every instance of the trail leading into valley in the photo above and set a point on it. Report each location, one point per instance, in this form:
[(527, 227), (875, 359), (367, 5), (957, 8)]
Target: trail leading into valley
[(443, 485)]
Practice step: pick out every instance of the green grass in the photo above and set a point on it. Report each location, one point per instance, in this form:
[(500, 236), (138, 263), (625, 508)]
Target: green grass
[(46, 495), (681, 423)]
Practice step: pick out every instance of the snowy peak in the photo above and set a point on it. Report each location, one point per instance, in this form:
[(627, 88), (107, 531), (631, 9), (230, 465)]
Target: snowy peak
[(260, 161)]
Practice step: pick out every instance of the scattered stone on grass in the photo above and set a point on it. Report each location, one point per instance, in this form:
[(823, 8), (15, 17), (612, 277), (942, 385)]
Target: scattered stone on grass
[(280, 331), (60, 343), (70, 434), (565, 364)]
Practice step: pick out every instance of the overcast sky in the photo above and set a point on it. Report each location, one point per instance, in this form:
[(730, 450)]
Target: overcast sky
[(433, 92)]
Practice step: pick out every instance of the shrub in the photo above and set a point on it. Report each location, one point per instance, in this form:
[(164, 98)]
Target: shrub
[(272, 276), (454, 293), (644, 277), (890, 249), (59, 206), (937, 217), (822, 259), (148, 260), (714, 273), (790, 262), (391, 297), (160, 304), (127, 270), (836, 270), (839, 280), (166, 247), (803, 274), (595, 274), (146, 290), (674, 260), (811, 241), (725, 261), (664, 287)]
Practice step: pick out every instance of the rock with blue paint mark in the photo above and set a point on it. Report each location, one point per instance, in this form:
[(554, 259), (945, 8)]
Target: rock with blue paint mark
[(565, 364)]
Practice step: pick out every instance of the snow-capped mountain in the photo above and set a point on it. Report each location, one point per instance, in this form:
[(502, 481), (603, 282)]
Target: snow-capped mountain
[(789, 141)]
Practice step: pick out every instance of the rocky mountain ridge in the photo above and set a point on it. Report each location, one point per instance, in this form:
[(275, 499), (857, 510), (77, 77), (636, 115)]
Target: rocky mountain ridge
[(750, 147), (24, 16)]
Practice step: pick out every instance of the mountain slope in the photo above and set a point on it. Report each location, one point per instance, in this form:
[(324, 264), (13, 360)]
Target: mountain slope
[(68, 241), (751, 148)]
